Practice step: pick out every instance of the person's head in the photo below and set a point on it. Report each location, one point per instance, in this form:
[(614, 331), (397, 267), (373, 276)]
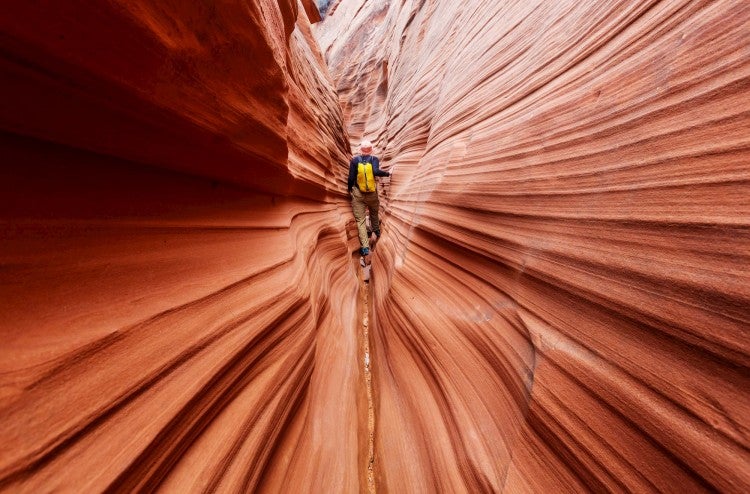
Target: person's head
[(365, 147)]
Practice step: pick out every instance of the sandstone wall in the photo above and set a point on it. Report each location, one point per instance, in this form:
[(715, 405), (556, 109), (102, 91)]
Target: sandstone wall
[(177, 305), (562, 289)]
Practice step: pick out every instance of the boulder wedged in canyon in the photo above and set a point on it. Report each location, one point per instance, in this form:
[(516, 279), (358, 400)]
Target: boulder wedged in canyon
[(561, 293), (177, 302)]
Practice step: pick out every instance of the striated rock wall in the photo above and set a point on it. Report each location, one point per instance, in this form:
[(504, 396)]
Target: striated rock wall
[(177, 305), (562, 289)]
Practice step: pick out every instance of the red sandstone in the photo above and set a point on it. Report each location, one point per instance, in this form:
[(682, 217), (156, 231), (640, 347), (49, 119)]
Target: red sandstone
[(562, 289), (175, 265), (560, 297)]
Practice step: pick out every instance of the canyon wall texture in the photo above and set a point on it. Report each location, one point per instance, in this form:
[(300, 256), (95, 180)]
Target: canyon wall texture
[(562, 293), (177, 301)]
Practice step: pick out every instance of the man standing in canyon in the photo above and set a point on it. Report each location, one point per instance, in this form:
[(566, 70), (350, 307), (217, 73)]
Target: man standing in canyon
[(363, 168)]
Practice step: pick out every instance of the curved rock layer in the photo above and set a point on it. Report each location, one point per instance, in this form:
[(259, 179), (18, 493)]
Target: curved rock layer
[(569, 230), (177, 304)]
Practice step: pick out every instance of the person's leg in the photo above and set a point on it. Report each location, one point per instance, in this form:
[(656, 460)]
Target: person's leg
[(373, 203), (358, 208)]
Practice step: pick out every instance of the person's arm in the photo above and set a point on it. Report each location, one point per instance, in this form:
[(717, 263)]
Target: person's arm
[(352, 174), (376, 169)]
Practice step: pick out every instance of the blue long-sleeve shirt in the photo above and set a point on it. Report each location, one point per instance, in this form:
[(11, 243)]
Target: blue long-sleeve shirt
[(353, 165)]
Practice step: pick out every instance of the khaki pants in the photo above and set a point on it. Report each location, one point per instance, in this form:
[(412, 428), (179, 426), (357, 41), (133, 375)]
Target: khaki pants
[(359, 201)]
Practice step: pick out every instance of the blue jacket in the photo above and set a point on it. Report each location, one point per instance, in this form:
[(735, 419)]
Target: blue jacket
[(353, 170)]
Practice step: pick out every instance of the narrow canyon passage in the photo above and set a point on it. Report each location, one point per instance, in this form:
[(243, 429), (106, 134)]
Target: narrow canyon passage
[(560, 295), (560, 299)]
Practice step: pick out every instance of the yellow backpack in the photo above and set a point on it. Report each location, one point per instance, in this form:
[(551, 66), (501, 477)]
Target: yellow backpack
[(365, 175)]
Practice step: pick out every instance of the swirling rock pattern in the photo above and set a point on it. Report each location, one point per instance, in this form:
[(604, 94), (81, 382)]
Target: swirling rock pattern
[(562, 290), (177, 304)]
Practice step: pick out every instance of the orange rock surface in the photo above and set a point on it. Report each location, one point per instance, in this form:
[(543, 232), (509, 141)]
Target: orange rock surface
[(177, 301), (562, 293), (560, 299)]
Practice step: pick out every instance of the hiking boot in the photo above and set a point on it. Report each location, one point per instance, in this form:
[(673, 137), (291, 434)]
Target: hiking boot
[(365, 251)]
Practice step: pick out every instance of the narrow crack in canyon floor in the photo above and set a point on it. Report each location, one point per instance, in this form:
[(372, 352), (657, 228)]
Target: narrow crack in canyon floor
[(366, 359)]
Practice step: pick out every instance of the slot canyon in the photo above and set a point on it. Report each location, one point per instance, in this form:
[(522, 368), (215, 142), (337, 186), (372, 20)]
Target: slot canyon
[(560, 300)]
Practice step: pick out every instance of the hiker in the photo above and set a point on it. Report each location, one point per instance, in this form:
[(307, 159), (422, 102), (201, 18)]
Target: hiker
[(363, 169)]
